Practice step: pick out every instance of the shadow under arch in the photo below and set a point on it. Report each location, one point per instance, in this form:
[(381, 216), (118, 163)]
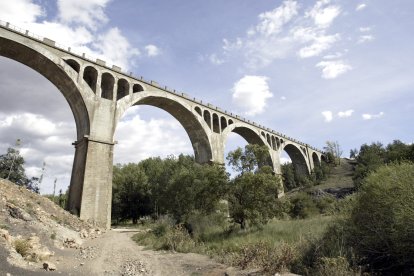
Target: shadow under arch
[(298, 159), (315, 159), (193, 127), (56, 74), (249, 135)]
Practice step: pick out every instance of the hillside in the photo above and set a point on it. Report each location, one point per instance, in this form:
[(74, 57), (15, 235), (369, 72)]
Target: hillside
[(35, 227)]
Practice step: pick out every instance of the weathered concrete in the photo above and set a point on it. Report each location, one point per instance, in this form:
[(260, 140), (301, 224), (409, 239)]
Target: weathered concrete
[(99, 96)]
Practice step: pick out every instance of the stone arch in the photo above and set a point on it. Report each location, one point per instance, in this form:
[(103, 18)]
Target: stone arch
[(251, 137), (207, 118), (298, 159), (123, 89), (315, 159), (57, 72), (216, 123), (195, 129), (74, 64), (137, 88), (90, 76)]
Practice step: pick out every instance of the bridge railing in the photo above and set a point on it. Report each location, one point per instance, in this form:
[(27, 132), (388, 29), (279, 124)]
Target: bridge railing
[(84, 56)]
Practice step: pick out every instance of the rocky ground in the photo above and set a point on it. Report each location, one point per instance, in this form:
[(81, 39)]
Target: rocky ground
[(38, 237)]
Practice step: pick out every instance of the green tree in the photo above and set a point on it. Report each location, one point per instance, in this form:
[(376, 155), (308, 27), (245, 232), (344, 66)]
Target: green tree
[(382, 221), (11, 167), (252, 193), (333, 148), (131, 198), (370, 158)]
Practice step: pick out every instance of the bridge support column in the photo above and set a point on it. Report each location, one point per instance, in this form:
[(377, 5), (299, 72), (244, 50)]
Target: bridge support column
[(90, 191), (277, 168)]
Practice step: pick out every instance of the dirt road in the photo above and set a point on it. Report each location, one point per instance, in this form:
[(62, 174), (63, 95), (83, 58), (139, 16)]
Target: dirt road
[(114, 253)]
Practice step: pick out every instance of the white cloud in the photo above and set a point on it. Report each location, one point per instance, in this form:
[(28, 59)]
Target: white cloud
[(85, 12), (139, 139), (319, 41), (115, 48), (283, 98), (327, 115), (345, 114), (364, 29), (271, 22), (284, 31), (333, 56), (360, 7), (216, 60), (20, 11), (322, 14), (365, 38), (251, 93), (333, 68), (152, 50), (368, 116)]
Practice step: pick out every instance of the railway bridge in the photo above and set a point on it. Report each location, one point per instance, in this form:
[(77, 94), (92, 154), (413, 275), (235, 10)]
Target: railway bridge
[(99, 95)]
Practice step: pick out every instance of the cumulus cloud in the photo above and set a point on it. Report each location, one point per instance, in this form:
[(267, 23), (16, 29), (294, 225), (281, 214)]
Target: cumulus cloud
[(345, 114), (152, 50), (328, 115), (214, 59), (20, 11), (365, 38), (360, 7), (115, 48), (271, 22), (331, 69), (286, 31), (323, 14), (251, 93), (139, 139), (364, 29), (368, 116), (85, 12)]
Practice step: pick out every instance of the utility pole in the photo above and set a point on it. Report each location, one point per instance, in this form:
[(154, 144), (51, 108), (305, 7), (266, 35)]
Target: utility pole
[(54, 189), (41, 176), (18, 141)]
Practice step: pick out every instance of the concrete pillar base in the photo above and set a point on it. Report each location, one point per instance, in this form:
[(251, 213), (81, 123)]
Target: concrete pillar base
[(90, 193)]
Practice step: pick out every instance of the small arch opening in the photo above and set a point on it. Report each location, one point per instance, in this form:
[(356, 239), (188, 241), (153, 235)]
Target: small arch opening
[(74, 64), (90, 76), (207, 118), (216, 123), (123, 88), (107, 86), (137, 88), (268, 139), (223, 122), (198, 110), (231, 122)]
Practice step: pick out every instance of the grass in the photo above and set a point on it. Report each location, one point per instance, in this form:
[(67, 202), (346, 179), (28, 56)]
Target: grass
[(220, 240)]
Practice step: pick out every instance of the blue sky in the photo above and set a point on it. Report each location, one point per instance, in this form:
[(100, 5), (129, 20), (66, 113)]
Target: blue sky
[(313, 70)]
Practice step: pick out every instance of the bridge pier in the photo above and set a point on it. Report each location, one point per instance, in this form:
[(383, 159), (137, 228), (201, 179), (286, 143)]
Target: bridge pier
[(90, 192)]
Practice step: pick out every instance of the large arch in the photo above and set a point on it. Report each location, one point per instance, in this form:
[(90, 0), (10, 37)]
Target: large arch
[(249, 135), (298, 159), (59, 75), (195, 129)]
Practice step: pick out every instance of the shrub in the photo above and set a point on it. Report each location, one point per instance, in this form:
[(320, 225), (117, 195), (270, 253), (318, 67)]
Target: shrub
[(303, 206), (382, 222), (22, 247)]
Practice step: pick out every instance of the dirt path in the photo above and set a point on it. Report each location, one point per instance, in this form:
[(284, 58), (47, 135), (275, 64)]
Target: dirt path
[(114, 253)]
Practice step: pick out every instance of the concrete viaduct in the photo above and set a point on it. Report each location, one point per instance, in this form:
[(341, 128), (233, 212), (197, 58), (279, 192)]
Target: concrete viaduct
[(99, 95)]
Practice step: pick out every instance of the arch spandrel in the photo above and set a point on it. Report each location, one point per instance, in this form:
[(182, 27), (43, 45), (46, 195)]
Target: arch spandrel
[(57, 71), (195, 127)]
